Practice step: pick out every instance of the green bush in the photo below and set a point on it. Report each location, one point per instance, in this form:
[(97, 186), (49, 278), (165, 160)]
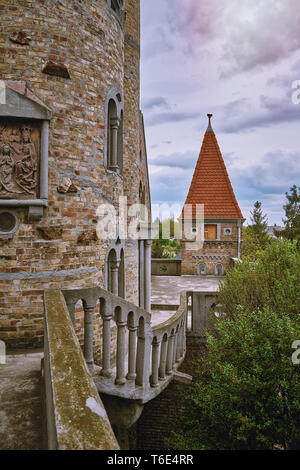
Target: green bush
[(246, 393), (272, 281)]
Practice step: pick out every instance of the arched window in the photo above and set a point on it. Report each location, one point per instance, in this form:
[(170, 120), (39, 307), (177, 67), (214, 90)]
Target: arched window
[(113, 272), (115, 269), (201, 269), (219, 269), (120, 144), (117, 5), (114, 132)]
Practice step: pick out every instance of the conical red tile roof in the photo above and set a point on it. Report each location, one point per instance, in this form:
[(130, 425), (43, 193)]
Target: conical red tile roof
[(211, 184)]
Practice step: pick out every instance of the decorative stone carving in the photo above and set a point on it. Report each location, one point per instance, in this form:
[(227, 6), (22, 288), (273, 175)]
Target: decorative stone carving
[(50, 233), (24, 124), (59, 70), (67, 186), (90, 235), (9, 224), (20, 37), (19, 160)]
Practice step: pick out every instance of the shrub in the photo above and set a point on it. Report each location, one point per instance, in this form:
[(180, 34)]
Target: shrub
[(246, 393)]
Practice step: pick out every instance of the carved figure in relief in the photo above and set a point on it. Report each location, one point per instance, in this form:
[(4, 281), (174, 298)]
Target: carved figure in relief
[(26, 167), (19, 160), (6, 169)]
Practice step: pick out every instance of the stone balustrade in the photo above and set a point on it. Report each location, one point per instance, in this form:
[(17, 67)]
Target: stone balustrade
[(146, 357), (75, 415)]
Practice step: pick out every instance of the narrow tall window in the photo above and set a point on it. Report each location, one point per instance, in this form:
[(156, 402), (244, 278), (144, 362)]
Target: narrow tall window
[(120, 144), (112, 136)]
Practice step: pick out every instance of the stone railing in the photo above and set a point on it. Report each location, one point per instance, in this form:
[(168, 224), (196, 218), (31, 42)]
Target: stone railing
[(165, 267), (198, 306), (75, 416), (146, 357)]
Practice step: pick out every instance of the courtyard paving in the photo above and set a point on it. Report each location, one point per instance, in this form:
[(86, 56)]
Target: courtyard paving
[(20, 402), (166, 291)]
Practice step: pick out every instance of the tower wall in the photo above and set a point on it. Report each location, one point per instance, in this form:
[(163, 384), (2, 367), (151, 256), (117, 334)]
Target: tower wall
[(61, 250)]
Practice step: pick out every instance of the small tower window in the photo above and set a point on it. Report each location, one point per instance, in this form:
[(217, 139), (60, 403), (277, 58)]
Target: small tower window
[(219, 269), (201, 269), (117, 6), (114, 134)]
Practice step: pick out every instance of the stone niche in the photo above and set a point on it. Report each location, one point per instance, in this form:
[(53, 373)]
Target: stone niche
[(24, 124)]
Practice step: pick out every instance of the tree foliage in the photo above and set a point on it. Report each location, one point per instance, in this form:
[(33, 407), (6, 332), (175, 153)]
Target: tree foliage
[(255, 237), (246, 393), (292, 214), (166, 245)]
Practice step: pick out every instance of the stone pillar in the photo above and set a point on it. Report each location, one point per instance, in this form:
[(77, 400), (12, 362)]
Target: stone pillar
[(170, 354), (106, 371), (114, 126), (155, 363), (148, 244), (121, 353), (175, 347), (141, 274), (179, 341), (163, 359), (143, 355), (132, 353), (115, 280), (88, 337)]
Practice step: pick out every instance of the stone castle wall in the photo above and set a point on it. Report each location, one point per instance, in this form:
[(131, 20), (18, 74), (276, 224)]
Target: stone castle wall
[(61, 250)]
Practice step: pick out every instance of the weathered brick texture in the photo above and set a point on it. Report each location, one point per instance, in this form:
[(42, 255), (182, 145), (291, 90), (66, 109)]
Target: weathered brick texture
[(89, 40)]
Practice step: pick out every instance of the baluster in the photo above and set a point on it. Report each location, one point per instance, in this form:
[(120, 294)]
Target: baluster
[(106, 371), (132, 353), (163, 358), (88, 336), (143, 354), (155, 362), (140, 358), (175, 347), (121, 353), (170, 354), (178, 348), (182, 340)]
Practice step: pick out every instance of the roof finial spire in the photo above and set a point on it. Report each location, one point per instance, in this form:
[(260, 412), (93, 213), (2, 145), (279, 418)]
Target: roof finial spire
[(209, 122)]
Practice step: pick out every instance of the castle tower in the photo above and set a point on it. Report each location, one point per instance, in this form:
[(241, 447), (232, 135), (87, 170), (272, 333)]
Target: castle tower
[(71, 136), (211, 187)]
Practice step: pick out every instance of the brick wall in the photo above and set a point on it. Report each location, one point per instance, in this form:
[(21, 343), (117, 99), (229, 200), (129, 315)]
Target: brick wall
[(89, 40)]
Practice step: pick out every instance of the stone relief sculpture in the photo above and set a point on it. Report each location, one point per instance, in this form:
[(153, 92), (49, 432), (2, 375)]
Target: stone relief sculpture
[(19, 161)]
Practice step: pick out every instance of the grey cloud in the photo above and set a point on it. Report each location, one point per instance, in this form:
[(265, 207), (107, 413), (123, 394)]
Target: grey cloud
[(177, 160), (240, 117), (156, 102), (163, 118), (276, 172)]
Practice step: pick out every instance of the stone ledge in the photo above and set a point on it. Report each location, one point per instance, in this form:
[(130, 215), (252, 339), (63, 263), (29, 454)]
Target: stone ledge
[(76, 417)]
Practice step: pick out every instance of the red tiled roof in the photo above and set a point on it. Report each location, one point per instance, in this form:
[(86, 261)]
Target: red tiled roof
[(211, 184)]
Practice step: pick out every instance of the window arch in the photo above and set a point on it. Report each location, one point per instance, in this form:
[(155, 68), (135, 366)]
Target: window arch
[(201, 269), (115, 268), (114, 132), (219, 269)]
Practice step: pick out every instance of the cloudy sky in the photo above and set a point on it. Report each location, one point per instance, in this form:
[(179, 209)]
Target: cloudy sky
[(235, 59)]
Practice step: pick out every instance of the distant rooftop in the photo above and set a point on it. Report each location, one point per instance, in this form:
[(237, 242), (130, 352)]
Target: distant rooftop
[(211, 185)]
